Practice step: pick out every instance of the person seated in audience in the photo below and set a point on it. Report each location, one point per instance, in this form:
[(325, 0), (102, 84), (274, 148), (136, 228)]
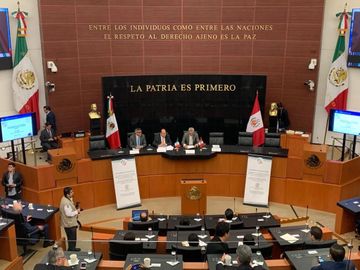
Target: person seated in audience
[(26, 221), (243, 253), (129, 236), (190, 138), (162, 139), (337, 254), (184, 221), (57, 257), (137, 140), (144, 216), (217, 244), (48, 138), (316, 233), (229, 214), (193, 240)]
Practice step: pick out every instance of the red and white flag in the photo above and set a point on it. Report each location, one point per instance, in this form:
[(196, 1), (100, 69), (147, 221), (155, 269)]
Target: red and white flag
[(112, 130), (201, 143), (24, 81), (337, 79), (255, 124)]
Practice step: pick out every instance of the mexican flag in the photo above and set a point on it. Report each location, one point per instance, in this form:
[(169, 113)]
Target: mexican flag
[(112, 130), (255, 124), (337, 79), (24, 81)]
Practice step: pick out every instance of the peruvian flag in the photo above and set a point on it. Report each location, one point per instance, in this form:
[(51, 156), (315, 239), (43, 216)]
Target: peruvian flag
[(337, 79), (24, 81), (255, 124), (112, 130)]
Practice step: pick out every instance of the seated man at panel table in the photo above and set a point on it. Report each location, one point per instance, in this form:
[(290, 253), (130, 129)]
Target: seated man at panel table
[(29, 227), (48, 138), (137, 140), (316, 233), (217, 244), (337, 254), (190, 138), (162, 139)]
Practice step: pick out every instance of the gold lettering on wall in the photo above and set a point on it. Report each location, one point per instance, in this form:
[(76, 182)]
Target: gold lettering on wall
[(198, 87), (180, 31)]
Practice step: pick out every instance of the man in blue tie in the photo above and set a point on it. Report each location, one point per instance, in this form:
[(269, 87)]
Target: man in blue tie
[(137, 140)]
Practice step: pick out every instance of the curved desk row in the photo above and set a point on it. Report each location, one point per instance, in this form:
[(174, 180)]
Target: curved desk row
[(303, 178)]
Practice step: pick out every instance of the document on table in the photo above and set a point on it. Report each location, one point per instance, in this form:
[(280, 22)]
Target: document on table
[(289, 238)]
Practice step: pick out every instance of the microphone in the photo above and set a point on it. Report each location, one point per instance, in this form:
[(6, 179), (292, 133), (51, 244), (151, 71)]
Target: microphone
[(92, 238), (350, 246), (234, 205), (307, 218)]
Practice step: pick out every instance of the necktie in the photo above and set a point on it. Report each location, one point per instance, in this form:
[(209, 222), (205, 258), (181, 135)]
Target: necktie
[(137, 140)]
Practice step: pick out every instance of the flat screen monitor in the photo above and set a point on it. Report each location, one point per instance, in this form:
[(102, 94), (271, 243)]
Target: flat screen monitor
[(346, 122), (5, 40), (135, 215), (17, 126), (354, 40)]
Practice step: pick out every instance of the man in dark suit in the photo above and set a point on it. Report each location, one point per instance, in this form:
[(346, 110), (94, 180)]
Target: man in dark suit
[(190, 138), (12, 181), (48, 138), (137, 140), (50, 117), (243, 253), (337, 253), (218, 244), (162, 139), (29, 227)]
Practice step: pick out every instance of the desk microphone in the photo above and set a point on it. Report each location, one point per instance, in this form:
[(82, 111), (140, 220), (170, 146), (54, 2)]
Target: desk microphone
[(92, 239), (350, 246), (234, 205)]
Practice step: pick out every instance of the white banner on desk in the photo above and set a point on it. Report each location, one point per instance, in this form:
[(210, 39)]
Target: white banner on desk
[(125, 183), (257, 181)]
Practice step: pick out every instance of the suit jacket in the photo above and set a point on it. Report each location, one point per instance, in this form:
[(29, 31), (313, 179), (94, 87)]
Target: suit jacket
[(331, 265), (185, 138), (45, 136), (157, 139), (50, 118), (216, 246), (132, 141), (221, 266), (17, 179)]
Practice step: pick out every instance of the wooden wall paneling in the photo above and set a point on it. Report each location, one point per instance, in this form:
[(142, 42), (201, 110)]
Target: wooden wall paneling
[(66, 182), (104, 192), (45, 177), (333, 172), (8, 248), (217, 184), (278, 168), (315, 195), (351, 170), (294, 168), (84, 171), (236, 185), (277, 190), (101, 169), (162, 186), (295, 144)]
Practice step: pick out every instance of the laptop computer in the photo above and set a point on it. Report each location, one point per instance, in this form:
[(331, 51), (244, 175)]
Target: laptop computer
[(135, 214)]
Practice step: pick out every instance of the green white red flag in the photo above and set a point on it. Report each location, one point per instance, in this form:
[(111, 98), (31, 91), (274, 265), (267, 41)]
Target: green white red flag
[(24, 81), (337, 80), (112, 130)]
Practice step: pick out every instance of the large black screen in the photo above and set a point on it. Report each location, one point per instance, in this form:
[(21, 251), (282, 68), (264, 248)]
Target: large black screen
[(209, 103), (5, 41), (354, 40)]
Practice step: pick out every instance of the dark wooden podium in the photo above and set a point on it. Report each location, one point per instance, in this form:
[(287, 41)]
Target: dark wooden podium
[(193, 196)]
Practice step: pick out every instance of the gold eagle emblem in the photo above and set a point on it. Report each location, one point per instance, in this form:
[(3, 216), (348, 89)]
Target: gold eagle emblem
[(25, 79), (194, 193), (337, 76)]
